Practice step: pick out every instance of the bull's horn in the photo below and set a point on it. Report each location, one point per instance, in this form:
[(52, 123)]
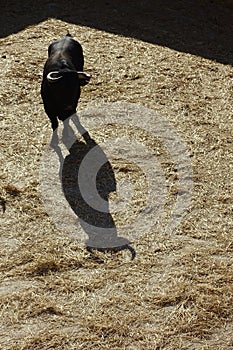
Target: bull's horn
[(54, 76)]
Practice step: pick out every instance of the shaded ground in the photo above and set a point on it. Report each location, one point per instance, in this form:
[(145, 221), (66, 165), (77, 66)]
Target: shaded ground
[(203, 28), (177, 293)]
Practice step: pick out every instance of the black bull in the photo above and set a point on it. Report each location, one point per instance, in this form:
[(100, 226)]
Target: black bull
[(62, 78)]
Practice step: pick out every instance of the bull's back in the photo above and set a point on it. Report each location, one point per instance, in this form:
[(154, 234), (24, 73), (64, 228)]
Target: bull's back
[(69, 49)]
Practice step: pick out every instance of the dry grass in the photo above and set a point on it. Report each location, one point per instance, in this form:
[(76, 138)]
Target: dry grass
[(177, 293)]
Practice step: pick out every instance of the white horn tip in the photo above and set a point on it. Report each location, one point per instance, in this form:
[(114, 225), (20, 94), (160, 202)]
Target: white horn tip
[(54, 76)]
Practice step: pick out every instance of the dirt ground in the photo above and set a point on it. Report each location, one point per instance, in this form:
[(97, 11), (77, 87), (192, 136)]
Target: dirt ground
[(174, 57)]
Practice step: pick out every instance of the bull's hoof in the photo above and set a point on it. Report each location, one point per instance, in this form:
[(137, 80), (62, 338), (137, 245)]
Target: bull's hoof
[(115, 249), (88, 139)]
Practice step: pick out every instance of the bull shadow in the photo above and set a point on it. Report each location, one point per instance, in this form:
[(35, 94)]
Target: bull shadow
[(88, 179)]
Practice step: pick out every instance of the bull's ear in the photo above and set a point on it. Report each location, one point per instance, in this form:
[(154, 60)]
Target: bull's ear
[(84, 78), (49, 49)]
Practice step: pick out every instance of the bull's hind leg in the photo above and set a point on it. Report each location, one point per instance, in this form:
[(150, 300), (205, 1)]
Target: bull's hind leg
[(54, 123), (82, 130), (51, 114)]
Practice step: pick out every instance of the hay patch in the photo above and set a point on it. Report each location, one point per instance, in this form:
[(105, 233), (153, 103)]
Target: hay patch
[(177, 293)]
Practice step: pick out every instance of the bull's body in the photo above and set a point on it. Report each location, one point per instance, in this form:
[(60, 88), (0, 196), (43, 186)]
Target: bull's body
[(62, 78)]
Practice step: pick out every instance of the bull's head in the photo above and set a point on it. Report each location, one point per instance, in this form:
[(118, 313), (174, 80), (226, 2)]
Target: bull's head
[(55, 76)]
